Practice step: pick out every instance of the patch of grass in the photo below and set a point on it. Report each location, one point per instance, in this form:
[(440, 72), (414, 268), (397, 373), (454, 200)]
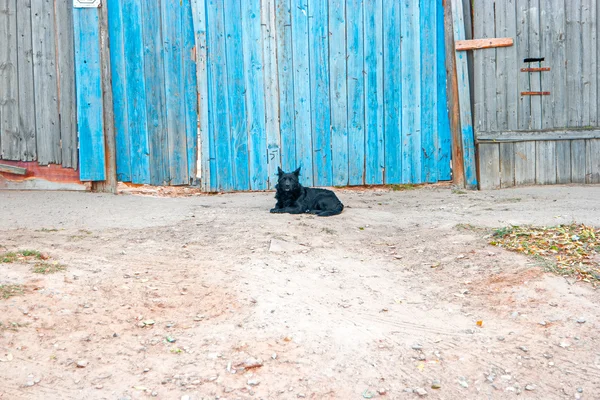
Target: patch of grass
[(48, 268), (12, 326), (11, 257), (48, 230), (8, 291), (458, 191), (403, 187)]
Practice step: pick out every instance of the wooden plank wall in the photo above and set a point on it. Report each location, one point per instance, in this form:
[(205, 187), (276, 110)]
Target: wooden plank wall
[(353, 92), (527, 139), (37, 82)]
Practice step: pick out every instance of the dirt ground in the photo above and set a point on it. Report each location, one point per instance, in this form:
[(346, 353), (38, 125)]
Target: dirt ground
[(211, 297)]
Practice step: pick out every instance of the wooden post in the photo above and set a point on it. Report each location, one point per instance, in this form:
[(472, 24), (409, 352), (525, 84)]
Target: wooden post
[(110, 184)]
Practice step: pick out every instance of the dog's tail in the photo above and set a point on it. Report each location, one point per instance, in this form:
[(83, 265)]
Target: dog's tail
[(335, 211)]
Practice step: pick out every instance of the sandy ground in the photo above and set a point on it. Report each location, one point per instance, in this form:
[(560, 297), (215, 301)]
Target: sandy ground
[(378, 302)]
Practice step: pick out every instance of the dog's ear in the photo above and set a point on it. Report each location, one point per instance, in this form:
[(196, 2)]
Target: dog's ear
[(297, 172), (280, 171)]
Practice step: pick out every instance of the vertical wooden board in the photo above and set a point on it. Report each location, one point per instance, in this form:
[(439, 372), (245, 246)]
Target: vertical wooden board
[(574, 65), (510, 54), (285, 71), (479, 72), (392, 93), (10, 136), (428, 61), (507, 165), (223, 179), (319, 91), (374, 92), (302, 98), (592, 151), (563, 161), (136, 92), (46, 83), (172, 31), (444, 135), (27, 114), (501, 67), (545, 162), (410, 59), (89, 95), (66, 83), (535, 50), (578, 161), (588, 63), (489, 69), (338, 92), (355, 49), (199, 20), (547, 40), (489, 166), (525, 163), (255, 95), (154, 76), (237, 92), (119, 89), (555, 105), (523, 84), (271, 89), (190, 90)]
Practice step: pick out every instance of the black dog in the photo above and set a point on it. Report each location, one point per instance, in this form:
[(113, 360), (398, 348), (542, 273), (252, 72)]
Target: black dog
[(293, 198)]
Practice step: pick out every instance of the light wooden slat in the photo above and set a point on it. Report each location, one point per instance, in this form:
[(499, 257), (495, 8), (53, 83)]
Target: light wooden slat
[(355, 49), (10, 136), (507, 165), (578, 161), (487, 43), (563, 161), (374, 90), (11, 169), (392, 93), (489, 166), (545, 163), (302, 97), (236, 94), (255, 95), (512, 75), (574, 53), (523, 51), (27, 114), (429, 108), (502, 86), (525, 163), (512, 136), (557, 42), (589, 59), (535, 49), (191, 91), (156, 101), (66, 83), (592, 148), (46, 83), (338, 91), (90, 108), (479, 73), (444, 134)]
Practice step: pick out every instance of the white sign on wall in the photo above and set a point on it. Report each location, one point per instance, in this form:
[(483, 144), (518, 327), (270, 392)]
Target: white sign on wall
[(86, 3)]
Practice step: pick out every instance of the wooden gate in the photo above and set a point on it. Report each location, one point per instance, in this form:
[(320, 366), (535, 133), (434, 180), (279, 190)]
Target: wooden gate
[(154, 90), (536, 103), (352, 91)]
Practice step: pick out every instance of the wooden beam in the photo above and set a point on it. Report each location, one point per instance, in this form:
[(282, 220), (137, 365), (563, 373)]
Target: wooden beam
[(541, 69), (524, 136), (535, 93), (477, 44), (11, 169)]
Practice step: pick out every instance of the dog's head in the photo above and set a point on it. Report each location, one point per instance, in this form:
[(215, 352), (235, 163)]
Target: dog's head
[(288, 182)]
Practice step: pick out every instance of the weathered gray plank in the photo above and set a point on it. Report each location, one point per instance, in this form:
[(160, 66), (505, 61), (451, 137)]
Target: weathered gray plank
[(593, 77), (512, 73), (578, 164), (553, 45), (11, 169), (563, 161), (489, 166), (489, 67), (10, 145), (522, 44), (588, 62), (574, 64), (66, 79), (535, 79), (507, 165), (501, 116), (46, 84), (545, 162), (524, 163), (518, 136), (27, 115), (479, 73), (592, 151)]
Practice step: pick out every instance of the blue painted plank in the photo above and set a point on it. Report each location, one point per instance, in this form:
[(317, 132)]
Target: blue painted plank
[(255, 95), (199, 20), (374, 92), (338, 91), (302, 95), (319, 91), (219, 109), (411, 92), (89, 95), (464, 99), (283, 19), (392, 93), (175, 90), (119, 89), (191, 89), (356, 92), (429, 87), (136, 91), (154, 76), (444, 135), (236, 91)]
